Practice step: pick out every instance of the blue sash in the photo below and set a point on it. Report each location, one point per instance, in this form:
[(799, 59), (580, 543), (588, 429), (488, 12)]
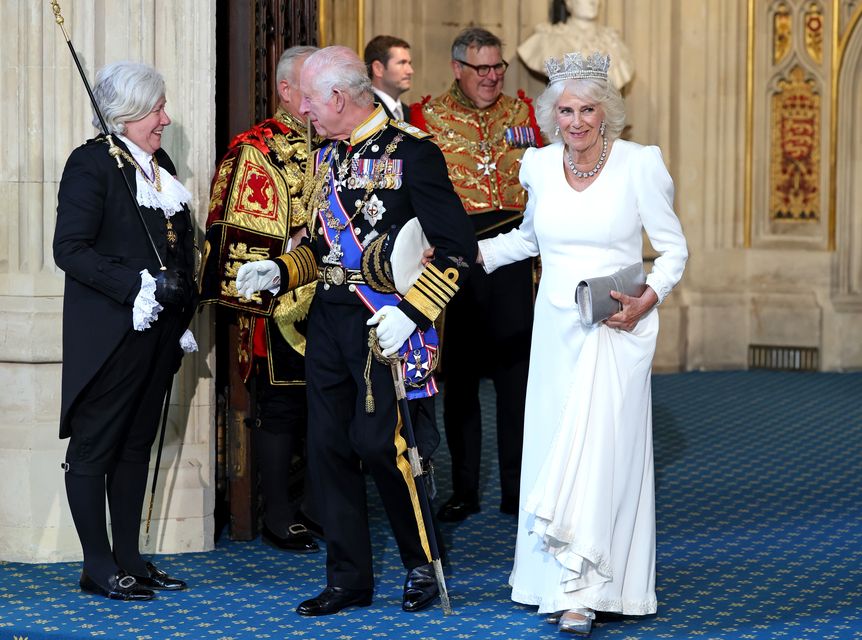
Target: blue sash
[(419, 351)]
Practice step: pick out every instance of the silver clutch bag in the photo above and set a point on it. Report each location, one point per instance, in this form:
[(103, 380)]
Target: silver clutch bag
[(593, 296)]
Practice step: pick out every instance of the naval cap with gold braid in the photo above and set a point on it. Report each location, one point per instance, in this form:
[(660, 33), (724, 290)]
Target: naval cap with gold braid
[(574, 66)]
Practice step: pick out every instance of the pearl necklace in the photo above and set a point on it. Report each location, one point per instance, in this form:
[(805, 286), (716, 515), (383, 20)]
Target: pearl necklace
[(594, 170)]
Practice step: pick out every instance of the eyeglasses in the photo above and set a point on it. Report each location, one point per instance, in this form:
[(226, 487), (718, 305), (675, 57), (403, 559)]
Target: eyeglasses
[(484, 69)]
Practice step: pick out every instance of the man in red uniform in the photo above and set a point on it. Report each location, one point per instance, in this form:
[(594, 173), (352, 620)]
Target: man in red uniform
[(255, 205), (483, 134)]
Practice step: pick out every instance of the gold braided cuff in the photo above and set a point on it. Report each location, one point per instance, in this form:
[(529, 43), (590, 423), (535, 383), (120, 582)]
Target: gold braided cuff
[(300, 267), (433, 290)]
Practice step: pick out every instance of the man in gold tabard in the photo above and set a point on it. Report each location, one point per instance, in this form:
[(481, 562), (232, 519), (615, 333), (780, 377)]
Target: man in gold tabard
[(483, 135), (255, 206)]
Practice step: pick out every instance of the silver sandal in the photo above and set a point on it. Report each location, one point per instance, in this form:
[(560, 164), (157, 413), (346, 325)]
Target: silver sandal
[(580, 625)]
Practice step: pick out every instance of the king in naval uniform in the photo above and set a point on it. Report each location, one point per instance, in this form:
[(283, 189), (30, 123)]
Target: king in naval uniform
[(372, 178)]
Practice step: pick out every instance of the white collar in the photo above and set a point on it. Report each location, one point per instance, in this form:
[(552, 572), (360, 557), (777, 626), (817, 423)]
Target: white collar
[(144, 159), (391, 103), (376, 121)]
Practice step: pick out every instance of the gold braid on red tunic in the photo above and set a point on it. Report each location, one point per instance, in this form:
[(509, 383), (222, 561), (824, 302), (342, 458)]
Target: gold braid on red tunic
[(256, 203), (483, 163)]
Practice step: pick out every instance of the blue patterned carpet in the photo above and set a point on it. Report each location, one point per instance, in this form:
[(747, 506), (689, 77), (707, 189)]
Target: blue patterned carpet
[(759, 498)]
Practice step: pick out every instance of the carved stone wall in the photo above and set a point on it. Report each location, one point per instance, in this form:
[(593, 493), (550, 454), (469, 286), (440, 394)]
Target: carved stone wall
[(45, 114)]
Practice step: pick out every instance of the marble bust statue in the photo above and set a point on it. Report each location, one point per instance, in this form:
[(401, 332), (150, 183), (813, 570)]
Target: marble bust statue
[(581, 32)]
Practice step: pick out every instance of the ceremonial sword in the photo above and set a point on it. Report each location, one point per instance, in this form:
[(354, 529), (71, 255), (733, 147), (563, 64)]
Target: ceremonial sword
[(394, 363)]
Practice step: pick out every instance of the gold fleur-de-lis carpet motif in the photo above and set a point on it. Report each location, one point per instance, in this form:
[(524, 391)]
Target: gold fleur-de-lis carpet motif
[(759, 536)]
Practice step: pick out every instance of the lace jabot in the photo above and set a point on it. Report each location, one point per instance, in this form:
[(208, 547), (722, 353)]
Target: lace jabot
[(172, 196)]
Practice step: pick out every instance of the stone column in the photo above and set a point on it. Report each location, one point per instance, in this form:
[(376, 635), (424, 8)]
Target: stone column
[(45, 114)]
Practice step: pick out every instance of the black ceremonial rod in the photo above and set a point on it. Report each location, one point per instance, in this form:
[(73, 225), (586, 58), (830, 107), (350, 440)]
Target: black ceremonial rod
[(114, 149)]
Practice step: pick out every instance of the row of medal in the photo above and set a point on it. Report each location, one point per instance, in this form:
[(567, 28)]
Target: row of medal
[(363, 172)]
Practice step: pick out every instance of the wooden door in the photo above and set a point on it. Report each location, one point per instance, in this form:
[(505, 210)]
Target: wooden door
[(250, 37)]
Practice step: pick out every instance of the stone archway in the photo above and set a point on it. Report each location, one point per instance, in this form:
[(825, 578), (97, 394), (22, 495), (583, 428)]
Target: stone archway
[(847, 287)]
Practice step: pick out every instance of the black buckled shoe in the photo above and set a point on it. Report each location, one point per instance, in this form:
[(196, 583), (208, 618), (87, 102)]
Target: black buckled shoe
[(420, 588), (158, 579), (121, 586), (333, 600), (455, 509), (298, 539)]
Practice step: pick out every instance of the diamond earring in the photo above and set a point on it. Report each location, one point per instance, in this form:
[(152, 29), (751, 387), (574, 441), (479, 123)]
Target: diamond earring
[(602, 128), (557, 130)]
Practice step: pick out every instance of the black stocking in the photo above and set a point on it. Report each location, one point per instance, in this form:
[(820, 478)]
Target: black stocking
[(86, 495), (127, 484)]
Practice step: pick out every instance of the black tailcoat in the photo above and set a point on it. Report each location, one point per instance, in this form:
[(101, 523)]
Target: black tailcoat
[(101, 245)]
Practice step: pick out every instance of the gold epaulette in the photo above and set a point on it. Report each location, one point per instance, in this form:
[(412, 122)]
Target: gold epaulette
[(301, 267), (409, 129), (433, 290)]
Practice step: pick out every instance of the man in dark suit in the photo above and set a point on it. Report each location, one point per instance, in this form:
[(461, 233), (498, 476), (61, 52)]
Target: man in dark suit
[(390, 68)]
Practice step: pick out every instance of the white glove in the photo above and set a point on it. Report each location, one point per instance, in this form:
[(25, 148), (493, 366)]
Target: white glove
[(187, 342), (257, 276), (393, 329)]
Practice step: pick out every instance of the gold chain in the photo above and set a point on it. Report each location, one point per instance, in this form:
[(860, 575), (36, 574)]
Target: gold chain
[(320, 197), (156, 181)]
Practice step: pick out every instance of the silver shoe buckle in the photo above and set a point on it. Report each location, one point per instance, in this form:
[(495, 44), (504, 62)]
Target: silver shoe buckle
[(126, 582)]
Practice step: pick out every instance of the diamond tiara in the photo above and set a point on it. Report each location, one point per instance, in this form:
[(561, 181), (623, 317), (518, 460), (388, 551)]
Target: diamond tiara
[(573, 66)]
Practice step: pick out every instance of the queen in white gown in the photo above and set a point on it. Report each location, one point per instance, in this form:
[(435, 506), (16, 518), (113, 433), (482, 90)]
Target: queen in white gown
[(586, 528)]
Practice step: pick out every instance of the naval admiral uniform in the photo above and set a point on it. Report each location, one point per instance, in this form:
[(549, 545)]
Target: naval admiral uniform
[(385, 174)]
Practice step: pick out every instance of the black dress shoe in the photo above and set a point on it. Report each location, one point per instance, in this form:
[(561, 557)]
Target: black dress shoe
[(298, 539), (121, 586), (333, 600), (455, 509), (158, 579), (420, 588)]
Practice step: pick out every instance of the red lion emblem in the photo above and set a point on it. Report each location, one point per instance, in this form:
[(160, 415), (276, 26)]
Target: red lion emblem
[(259, 185), (257, 194)]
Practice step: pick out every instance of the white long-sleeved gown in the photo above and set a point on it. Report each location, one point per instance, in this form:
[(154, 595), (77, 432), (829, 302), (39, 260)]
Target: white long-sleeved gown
[(586, 529)]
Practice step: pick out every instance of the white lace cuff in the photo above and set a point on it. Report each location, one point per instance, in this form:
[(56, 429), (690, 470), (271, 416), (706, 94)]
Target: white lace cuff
[(489, 256), (146, 309), (187, 342)]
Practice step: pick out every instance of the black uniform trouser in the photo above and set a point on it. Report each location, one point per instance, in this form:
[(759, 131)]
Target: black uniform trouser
[(279, 429), (279, 437), (487, 333), (341, 434)]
